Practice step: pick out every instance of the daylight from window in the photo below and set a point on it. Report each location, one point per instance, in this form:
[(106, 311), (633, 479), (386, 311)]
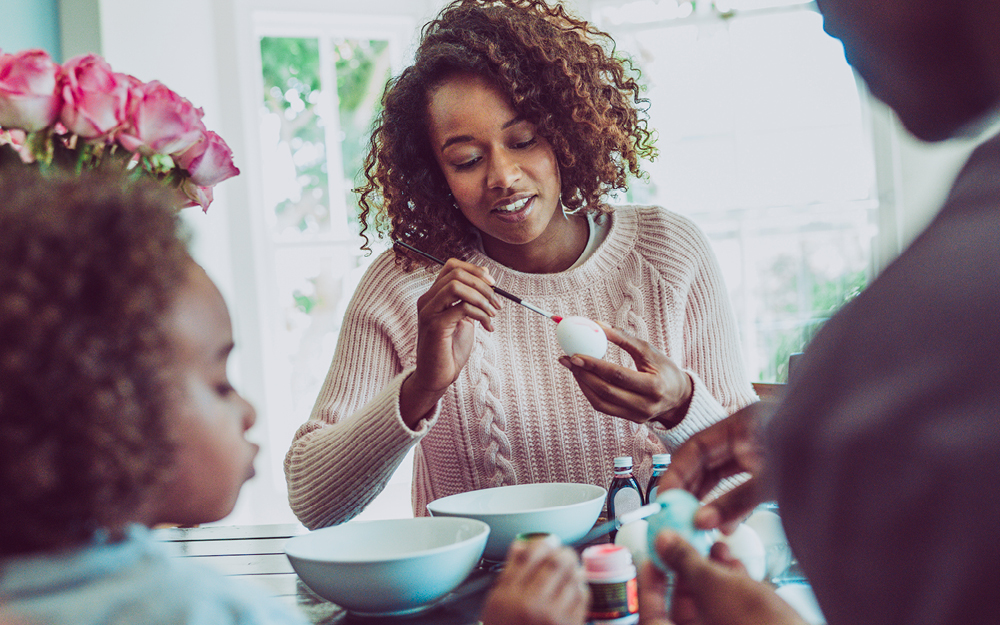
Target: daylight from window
[(764, 142)]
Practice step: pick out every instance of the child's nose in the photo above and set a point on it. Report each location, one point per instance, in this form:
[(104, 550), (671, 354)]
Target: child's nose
[(249, 414)]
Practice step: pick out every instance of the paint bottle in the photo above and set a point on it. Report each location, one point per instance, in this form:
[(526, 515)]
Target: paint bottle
[(624, 494), (614, 592), (660, 464)]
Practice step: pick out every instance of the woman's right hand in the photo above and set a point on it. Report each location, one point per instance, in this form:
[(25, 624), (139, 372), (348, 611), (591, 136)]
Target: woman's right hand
[(446, 316)]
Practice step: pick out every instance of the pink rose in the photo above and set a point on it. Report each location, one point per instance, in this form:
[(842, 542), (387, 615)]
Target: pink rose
[(162, 122), (209, 161), (95, 98), (29, 97), (16, 139), (198, 196)]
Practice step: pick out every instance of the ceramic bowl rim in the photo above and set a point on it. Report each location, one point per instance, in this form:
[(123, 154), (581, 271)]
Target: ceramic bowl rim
[(599, 493), (483, 534)]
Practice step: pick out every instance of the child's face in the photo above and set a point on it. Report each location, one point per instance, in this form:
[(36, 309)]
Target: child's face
[(210, 419)]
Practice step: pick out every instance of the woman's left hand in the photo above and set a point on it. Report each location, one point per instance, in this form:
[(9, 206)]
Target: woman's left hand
[(656, 391)]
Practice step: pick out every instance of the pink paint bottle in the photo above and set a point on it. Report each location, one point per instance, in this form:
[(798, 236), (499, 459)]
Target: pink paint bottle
[(614, 592)]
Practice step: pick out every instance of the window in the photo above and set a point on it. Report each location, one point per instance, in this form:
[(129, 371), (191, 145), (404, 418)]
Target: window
[(320, 79), (765, 142)]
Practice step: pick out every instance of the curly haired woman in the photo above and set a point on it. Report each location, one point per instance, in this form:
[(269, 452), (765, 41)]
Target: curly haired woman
[(496, 149)]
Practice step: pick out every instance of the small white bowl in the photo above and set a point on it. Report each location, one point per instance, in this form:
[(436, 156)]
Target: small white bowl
[(395, 566), (567, 510)]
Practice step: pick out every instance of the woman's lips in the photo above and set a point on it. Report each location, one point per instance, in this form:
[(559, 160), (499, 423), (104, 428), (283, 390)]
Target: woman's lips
[(515, 216)]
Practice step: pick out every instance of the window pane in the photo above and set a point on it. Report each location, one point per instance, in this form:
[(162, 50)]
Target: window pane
[(363, 68), (293, 138), (763, 142)]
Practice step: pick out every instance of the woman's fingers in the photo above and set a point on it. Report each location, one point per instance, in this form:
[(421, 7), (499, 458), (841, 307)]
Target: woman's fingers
[(656, 389), (638, 396), (607, 398), (645, 356), (461, 282)]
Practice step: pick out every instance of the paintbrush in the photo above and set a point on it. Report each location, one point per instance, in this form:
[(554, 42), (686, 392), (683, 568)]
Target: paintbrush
[(496, 289), (609, 526)]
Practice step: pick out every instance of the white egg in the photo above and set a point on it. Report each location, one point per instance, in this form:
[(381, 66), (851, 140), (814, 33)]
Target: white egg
[(579, 335), (778, 555), (632, 536), (745, 546)]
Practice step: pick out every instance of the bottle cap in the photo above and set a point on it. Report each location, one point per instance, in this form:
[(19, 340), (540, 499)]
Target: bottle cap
[(661, 458), (623, 461), (606, 559)]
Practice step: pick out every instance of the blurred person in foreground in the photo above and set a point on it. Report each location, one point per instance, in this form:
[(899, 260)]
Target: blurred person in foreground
[(885, 452)]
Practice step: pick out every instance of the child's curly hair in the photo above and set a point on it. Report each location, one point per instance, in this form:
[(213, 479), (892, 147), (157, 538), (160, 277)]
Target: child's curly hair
[(89, 265), (555, 71)]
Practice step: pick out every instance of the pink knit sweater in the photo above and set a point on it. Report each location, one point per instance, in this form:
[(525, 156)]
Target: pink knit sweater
[(515, 415)]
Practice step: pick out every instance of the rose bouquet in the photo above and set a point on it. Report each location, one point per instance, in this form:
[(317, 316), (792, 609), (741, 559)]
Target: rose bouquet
[(83, 115)]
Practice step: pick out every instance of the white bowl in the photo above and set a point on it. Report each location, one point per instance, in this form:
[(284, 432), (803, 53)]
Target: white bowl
[(395, 566), (565, 509)]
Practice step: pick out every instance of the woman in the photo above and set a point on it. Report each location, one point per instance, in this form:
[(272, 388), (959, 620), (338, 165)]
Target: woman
[(496, 149)]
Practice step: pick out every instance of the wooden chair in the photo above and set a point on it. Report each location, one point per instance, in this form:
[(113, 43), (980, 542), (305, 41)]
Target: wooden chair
[(769, 391)]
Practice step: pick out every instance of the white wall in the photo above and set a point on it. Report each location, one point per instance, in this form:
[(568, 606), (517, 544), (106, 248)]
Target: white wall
[(192, 46)]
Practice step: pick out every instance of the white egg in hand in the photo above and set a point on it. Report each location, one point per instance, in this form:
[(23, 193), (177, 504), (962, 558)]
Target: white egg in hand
[(745, 545), (632, 536), (778, 555), (579, 335)]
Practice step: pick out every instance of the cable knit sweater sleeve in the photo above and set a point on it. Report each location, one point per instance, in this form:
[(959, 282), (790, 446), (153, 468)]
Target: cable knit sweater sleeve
[(710, 342), (344, 455)]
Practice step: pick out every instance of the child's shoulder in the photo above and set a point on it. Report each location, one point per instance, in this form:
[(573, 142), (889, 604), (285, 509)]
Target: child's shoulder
[(134, 580)]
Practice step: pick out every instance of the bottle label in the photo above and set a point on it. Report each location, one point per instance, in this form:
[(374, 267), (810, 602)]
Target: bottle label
[(626, 500), (613, 600)]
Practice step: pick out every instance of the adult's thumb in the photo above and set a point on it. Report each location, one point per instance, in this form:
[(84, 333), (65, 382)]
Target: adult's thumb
[(681, 557)]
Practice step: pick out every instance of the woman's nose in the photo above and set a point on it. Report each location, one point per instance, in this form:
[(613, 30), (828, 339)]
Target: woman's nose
[(504, 171)]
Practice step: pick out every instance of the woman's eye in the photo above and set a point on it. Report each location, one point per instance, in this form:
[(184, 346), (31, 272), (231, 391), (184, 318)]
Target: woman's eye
[(467, 164), (520, 145), (224, 389)]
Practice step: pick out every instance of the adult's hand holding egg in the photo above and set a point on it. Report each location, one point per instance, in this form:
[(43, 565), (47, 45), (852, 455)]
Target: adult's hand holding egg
[(677, 514), (724, 593), (579, 335), (656, 390)]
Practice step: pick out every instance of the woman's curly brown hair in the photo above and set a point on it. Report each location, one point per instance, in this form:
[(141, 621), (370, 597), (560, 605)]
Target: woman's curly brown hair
[(557, 74), (89, 265)]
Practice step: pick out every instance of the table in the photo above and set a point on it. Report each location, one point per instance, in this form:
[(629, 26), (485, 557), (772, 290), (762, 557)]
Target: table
[(256, 555)]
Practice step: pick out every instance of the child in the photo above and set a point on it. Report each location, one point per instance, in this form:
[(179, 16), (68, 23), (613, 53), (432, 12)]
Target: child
[(116, 414), (115, 409)]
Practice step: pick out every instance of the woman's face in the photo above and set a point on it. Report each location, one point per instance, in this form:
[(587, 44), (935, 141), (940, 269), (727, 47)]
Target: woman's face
[(503, 175)]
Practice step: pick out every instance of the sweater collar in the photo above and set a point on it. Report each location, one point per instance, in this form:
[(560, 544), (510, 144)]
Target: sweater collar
[(605, 261)]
